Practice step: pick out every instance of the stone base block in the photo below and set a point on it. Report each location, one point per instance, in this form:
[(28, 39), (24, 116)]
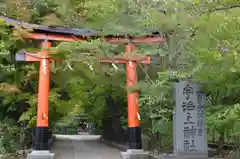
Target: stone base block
[(36, 154), (135, 154), (185, 157), (181, 157)]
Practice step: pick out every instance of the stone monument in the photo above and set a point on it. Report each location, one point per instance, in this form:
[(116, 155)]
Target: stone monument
[(190, 135)]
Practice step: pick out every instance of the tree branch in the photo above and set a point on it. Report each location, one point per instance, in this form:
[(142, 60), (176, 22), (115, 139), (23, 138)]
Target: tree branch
[(223, 8)]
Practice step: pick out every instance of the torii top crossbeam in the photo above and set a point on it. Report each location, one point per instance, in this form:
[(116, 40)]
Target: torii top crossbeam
[(41, 32)]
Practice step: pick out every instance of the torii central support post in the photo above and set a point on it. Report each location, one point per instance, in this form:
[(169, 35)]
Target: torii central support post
[(40, 143)]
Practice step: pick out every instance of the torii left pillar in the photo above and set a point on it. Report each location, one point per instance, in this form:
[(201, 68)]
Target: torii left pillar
[(40, 146)]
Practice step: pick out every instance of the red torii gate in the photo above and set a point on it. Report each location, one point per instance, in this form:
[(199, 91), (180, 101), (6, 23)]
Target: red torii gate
[(49, 34)]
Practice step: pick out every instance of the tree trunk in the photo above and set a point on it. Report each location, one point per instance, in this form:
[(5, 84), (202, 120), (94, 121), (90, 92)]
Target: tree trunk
[(221, 144)]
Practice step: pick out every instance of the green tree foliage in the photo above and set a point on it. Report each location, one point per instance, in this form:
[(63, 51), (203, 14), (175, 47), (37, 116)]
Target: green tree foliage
[(204, 46)]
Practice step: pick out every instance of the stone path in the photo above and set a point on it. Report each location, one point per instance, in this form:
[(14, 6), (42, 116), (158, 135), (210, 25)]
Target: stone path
[(83, 147)]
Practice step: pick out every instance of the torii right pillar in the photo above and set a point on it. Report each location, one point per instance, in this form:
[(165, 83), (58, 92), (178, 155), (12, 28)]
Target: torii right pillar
[(135, 150), (135, 141)]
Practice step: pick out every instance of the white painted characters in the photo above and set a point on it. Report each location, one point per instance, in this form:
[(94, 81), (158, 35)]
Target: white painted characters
[(44, 65)]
